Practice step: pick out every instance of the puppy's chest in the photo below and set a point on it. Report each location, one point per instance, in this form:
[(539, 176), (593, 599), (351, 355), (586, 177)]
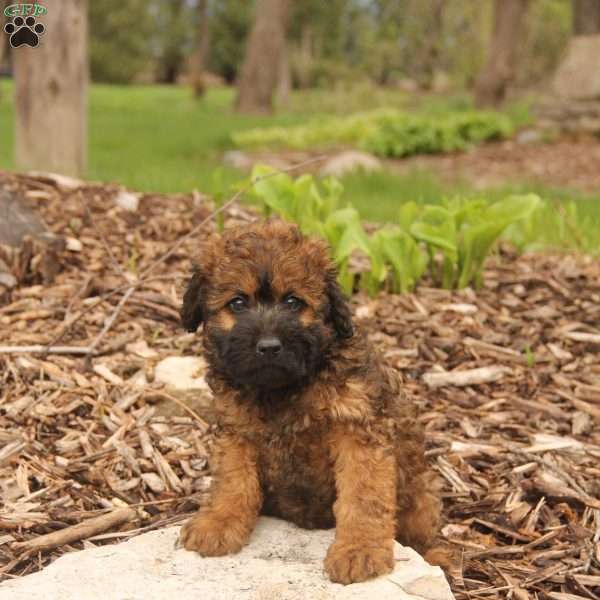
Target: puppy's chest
[(295, 458)]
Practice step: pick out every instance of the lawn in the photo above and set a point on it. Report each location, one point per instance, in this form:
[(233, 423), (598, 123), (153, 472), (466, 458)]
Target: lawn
[(153, 138), (159, 138)]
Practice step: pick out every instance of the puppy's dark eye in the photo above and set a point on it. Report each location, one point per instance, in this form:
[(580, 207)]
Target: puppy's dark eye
[(293, 303), (238, 304)]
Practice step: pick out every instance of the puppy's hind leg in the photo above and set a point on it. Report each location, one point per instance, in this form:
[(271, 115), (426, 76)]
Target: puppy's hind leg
[(419, 513)]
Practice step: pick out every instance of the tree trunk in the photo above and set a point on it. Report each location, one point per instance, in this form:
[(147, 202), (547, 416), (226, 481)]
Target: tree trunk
[(201, 49), (284, 83), (494, 79), (260, 72), (433, 46), (586, 17), (51, 83)]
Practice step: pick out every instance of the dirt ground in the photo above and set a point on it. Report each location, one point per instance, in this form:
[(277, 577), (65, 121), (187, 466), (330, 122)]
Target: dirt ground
[(562, 164), (508, 380), (573, 164)]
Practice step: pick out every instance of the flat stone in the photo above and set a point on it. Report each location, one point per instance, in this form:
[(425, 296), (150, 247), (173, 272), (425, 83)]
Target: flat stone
[(281, 562), (182, 372)]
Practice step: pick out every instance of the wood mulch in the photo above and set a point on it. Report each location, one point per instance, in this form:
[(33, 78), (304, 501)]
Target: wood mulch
[(508, 379)]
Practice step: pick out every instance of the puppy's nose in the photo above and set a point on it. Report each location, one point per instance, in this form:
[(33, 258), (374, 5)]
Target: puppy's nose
[(268, 346)]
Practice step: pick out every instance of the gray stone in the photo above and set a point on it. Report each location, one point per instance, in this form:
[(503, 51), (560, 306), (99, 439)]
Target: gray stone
[(578, 76), (237, 160), (281, 562), (17, 220), (349, 161), (529, 136)]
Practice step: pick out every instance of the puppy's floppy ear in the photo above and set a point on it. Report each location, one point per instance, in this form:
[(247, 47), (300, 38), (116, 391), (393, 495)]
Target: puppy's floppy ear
[(192, 308), (338, 314)]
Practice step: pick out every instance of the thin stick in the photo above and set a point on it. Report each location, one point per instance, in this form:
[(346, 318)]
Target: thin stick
[(113, 259), (109, 323), (183, 405), (85, 350), (78, 532)]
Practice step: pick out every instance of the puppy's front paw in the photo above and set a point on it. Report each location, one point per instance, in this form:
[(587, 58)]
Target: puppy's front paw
[(353, 562), (212, 536)]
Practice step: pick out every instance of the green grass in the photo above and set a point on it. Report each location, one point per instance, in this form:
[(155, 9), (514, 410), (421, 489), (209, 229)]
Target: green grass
[(158, 138), (152, 138)]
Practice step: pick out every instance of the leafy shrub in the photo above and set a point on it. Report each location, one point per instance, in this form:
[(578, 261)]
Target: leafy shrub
[(464, 232), (555, 225), (386, 132), (453, 239)]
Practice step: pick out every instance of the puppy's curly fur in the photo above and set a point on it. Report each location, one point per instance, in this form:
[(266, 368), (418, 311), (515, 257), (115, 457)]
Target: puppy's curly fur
[(312, 427)]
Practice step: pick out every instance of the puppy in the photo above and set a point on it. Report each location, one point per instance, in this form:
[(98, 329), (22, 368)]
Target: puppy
[(312, 427)]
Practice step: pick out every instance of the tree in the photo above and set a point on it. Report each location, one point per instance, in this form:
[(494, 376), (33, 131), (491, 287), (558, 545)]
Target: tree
[(51, 84), (201, 48), (498, 71), (120, 28), (261, 69), (586, 17), (230, 22), (173, 37)]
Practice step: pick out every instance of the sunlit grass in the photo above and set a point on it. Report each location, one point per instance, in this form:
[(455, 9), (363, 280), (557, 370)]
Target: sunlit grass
[(159, 138)]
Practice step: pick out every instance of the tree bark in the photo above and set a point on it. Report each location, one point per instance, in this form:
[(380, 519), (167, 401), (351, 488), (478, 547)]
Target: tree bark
[(51, 84), (586, 17), (284, 83), (498, 71), (201, 49), (260, 72)]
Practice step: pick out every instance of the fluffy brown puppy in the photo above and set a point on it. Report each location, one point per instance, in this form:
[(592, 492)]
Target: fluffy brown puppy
[(312, 427)]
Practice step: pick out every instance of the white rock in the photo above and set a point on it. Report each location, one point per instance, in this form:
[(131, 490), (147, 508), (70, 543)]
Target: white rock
[(281, 562), (237, 160), (182, 372), (73, 244), (127, 200), (349, 161)]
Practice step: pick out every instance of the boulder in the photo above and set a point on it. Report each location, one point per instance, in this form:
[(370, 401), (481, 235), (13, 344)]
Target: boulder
[(578, 76), (349, 161), (17, 220), (281, 562)]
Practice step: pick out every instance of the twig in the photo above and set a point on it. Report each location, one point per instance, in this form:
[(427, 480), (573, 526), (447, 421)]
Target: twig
[(183, 405), (114, 261), (109, 323), (78, 532), (39, 349), (465, 378)]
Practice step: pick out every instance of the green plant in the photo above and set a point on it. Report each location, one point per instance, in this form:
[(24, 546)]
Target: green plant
[(454, 238), (464, 232), (386, 132)]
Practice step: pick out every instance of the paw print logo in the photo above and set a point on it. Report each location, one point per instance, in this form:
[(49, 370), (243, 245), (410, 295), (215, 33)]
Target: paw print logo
[(24, 32)]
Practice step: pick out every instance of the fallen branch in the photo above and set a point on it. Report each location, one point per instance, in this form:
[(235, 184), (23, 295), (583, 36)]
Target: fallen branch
[(468, 377), (78, 532)]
